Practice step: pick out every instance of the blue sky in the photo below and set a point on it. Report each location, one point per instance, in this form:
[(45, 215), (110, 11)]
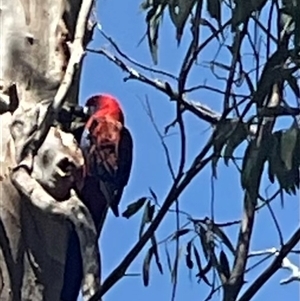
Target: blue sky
[(123, 21)]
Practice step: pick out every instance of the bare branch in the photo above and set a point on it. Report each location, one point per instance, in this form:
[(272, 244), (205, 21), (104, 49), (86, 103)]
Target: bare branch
[(200, 110), (273, 267), (286, 264), (161, 137), (295, 271)]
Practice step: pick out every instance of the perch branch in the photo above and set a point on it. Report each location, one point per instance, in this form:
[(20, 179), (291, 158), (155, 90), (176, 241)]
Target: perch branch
[(200, 110), (73, 210), (199, 163)]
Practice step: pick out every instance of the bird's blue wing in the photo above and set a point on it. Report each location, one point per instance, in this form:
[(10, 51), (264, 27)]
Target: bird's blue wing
[(85, 142)]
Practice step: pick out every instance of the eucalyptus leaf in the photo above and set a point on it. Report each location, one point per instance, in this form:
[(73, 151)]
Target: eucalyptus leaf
[(203, 240), (221, 134), (133, 208), (188, 258), (168, 258), (205, 270), (224, 238), (238, 135), (224, 265), (296, 157), (273, 158), (282, 160), (252, 168), (287, 25), (243, 11), (153, 195), (297, 26), (214, 9), (147, 216), (180, 232), (146, 266), (175, 266), (179, 11), (197, 258), (154, 19), (156, 254), (287, 145)]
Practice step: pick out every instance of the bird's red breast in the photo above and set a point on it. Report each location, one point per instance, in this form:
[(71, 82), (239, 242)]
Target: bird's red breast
[(105, 136)]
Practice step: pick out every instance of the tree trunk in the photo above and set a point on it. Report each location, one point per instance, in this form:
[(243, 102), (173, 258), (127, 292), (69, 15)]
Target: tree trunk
[(33, 55), (33, 248)]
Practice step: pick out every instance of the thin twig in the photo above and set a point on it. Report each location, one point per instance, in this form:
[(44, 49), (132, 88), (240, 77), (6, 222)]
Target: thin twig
[(126, 57), (161, 137)]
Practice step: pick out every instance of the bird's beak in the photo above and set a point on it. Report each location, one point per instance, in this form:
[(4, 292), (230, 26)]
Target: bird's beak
[(85, 110), (90, 110)]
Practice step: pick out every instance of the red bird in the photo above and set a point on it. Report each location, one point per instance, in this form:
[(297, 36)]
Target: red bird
[(107, 145)]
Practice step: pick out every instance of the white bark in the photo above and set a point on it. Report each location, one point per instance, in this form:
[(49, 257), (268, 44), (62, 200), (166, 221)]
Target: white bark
[(35, 37)]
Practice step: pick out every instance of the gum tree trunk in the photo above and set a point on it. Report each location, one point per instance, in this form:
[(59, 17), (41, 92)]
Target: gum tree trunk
[(34, 53)]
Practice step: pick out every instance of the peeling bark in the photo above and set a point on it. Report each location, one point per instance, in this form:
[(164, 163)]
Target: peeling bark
[(35, 53), (34, 227)]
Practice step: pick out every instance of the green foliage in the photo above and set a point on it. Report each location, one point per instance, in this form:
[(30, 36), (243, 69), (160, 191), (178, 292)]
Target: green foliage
[(134, 207), (223, 237), (228, 135), (279, 151), (147, 261), (214, 9), (188, 257), (284, 159), (179, 233), (290, 20), (243, 10), (179, 12), (224, 265), (153, 19), (147, 216), (252, 167)]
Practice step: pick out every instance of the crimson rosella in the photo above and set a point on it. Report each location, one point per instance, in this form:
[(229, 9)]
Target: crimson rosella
[(107, 146)]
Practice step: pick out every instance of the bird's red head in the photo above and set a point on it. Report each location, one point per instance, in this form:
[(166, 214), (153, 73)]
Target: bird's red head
[(105, 105)]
